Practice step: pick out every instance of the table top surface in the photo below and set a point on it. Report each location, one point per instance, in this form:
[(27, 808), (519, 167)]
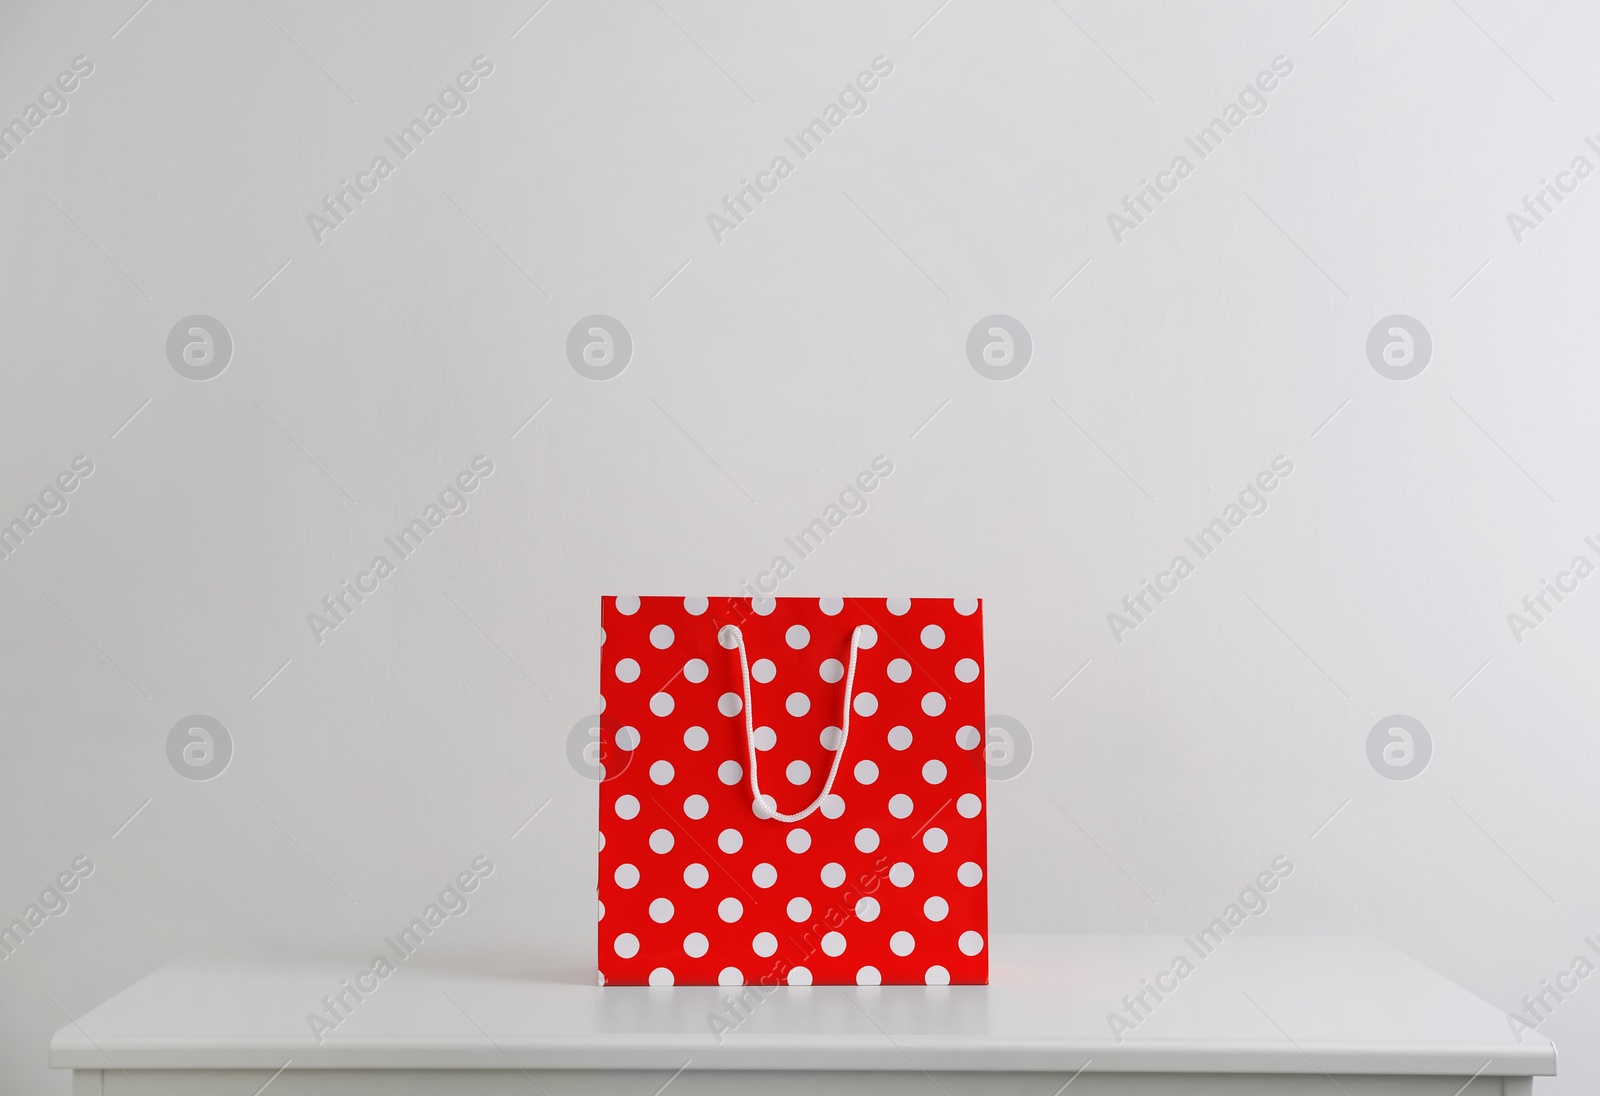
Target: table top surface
[(1259, 1004)]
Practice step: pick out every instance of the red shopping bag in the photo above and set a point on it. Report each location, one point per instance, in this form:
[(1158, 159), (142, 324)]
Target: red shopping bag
[(861, 860)]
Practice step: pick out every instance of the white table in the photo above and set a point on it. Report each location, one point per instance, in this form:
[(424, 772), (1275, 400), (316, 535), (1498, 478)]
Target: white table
[(1259, 1016)]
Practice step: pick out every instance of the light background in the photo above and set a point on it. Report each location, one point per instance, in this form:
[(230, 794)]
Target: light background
[(1168, 369)]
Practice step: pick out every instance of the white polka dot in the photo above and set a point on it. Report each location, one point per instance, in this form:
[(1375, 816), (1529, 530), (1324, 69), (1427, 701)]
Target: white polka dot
[(936, 909), (661, 704), (600, 910), (602, 703), (969, 806), (832, 606), (937, 976), (868, 637), (866, 772), (798, 909), (933, 637), (868, 909), (696, 738), (900, 738), (763, 605), (661, 772), (728, 636), (899, 606), (627, 876), (833, 875), (627, 604), (696, 875), (696, 806), (834, 943), (695, 671), (932, 704), (797, 636), (627, 670), (967, 670), (867, 839), (730, 704), (695, 945), (763, 670), (661, 911), (766, 738), (971, 943), (970, 874), (730, 840), (798, 704), (831, 737), (934, 839), (627, 806), (902, 943), (832, 805), (968, 738), (900, 805), (730, 910), (764, 875), (799, 976), (869, 976), (730, 976), (626, 945), (695, 606), (798, 772), (966, 606), (602, 841), (730, 772), (899, 671), (901, 874), (763, 806), (865, 704), (764, 944), (934, 772), (628, 738), (831, 670), (661, 841), (798, 840), (661, 637)]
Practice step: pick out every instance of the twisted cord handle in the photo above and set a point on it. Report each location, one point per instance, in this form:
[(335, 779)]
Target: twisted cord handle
[(760, 807)]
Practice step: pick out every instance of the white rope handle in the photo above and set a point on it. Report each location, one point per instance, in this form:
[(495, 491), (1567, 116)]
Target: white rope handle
[(750, 731)]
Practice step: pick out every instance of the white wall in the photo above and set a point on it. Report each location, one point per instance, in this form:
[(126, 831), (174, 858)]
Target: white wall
[(1221, 333)]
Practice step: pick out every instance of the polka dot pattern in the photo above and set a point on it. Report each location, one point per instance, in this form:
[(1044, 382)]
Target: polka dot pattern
[(885, 884)]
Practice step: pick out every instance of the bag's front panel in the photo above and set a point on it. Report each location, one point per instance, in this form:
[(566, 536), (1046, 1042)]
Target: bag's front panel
[(885, 882)]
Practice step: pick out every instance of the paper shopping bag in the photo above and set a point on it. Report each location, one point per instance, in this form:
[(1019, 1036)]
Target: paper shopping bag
[(793, 792)]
